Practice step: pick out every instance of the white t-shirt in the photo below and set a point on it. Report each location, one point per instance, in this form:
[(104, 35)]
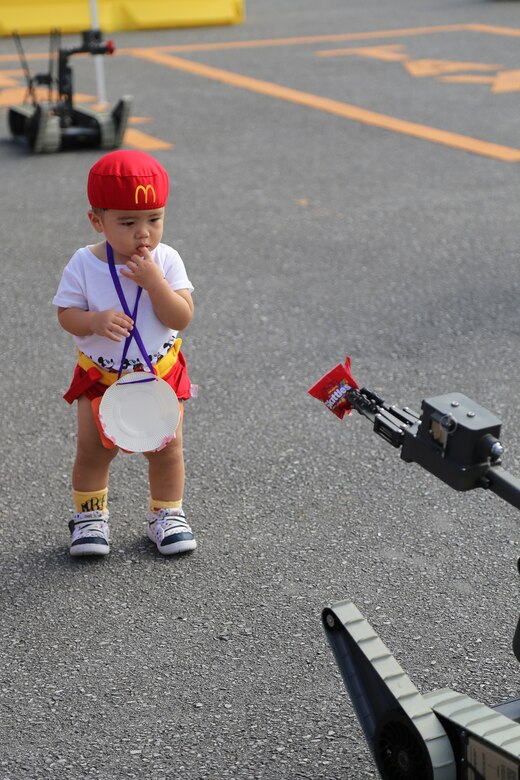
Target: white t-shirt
[(87, 284)]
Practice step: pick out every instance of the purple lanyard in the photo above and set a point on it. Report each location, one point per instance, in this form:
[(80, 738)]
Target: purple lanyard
[(135, 333)]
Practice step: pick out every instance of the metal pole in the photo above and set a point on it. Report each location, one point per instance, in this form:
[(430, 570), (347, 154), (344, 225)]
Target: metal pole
[(98, 58), (503, 484)]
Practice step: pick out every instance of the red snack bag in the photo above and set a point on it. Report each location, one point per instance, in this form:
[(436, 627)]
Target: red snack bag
[(332, 389)]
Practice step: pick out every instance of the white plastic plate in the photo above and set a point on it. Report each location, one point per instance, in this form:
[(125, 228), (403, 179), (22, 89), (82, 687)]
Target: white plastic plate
[(137, 415)]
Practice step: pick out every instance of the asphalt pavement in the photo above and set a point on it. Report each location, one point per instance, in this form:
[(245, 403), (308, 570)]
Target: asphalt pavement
[(344, 181)]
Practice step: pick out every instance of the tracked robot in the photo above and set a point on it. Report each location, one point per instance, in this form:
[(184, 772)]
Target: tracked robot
[(58, 124), (442, 735)]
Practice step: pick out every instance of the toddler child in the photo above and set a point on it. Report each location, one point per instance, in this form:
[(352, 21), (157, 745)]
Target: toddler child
[(127, 191)]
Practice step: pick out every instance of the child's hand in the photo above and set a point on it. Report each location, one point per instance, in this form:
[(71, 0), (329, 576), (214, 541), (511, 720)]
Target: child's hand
[(143, 270), (111, 324)]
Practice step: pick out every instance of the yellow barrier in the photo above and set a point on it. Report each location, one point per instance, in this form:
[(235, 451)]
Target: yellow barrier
[(38, 17)]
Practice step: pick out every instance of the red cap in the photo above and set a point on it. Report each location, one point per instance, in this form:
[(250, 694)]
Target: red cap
[(127, 181)]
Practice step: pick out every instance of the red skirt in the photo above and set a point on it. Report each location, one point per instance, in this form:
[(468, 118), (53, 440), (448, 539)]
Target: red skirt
[(86, 382)]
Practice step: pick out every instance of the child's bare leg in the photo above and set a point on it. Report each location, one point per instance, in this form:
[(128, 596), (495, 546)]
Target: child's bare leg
[(166, 470), (91, 467), (167, 525)]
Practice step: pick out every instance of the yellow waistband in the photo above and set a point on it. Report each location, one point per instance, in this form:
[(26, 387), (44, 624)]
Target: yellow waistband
[(162, 367)]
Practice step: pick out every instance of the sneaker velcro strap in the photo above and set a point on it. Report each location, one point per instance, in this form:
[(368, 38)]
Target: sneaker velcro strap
[(88, 517)]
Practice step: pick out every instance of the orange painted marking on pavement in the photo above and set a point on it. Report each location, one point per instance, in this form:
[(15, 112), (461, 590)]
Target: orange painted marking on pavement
[(389, 53), (13, 96), (139, 120), (36, 56), (143, 141), (422, 68), (16, 96), (28, 57), (468, 79), (345, 110), (512, 32), (506, 81), (10, 78), (359, 36)]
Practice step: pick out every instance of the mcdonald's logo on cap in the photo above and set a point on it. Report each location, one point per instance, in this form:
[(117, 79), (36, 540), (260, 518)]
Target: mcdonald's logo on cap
[(145, 191)]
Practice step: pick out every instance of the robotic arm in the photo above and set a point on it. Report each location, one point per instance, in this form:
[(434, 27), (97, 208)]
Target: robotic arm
[(453, 438)]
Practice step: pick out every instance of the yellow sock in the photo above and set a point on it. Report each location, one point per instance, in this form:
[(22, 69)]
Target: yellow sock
[(156, 505), (90, 500)]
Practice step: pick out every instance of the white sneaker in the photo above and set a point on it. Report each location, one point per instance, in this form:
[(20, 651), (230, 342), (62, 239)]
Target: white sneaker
[(170, 531), (90, 533)]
